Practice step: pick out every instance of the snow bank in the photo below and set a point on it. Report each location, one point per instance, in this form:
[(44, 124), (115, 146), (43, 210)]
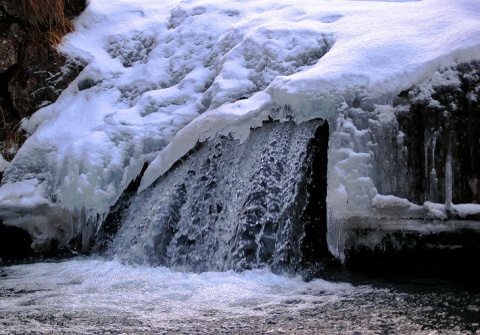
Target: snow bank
[(161, 76)]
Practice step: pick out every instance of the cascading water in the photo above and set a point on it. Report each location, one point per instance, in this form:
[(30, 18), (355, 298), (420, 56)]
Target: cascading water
[(234, 206)]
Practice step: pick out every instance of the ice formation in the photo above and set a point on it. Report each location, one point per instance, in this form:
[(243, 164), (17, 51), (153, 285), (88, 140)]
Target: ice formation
[(161, 76), (3, 163)]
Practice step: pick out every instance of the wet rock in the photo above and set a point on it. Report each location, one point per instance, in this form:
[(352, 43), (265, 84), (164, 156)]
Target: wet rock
[(10, 7), (413, 248)]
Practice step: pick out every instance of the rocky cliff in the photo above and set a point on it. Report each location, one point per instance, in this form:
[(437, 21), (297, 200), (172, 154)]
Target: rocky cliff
[(32, 72)]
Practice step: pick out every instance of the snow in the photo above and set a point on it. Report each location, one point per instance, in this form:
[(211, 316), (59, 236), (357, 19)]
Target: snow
[(161, 76), (390, 201), (25, 192), (463, 210)]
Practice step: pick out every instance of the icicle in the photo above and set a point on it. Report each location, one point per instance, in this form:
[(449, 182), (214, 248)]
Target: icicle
[(448, 181), (426, 145), (336, 235), (433, 185), (433, 172)]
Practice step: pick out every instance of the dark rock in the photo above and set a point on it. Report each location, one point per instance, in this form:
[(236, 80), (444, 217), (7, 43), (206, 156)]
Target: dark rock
[(8, 54), (32, 72), (11, 35), (38, 82), (413, 248), (74, 7), (11, 8), (14, 243), (451, 126)]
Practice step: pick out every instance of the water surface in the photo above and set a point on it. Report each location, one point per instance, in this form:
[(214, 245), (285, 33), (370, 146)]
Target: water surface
[(96, 296)]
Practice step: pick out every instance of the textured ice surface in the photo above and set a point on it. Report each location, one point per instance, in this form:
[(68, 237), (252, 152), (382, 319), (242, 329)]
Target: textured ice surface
[(219, 67), (464, 210)]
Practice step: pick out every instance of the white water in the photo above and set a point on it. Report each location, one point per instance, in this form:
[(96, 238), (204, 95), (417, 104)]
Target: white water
[(98, 285), (152, 295), (96, 296)]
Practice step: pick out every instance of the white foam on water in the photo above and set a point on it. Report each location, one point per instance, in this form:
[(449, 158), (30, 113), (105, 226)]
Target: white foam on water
[(158, 292)]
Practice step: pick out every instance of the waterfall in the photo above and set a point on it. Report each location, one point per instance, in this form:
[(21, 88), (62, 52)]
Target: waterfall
[(231, 205)]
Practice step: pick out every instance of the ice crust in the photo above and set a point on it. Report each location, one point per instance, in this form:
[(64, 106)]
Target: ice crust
[(161, 76)]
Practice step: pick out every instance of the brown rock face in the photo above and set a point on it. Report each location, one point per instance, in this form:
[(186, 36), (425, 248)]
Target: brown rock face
[(8, 54), (39, 82), (32, 72), (10, 38)]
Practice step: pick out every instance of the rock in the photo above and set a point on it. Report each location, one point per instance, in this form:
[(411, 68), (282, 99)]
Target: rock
[(8, 54), (412, 179), (413, 248), (32, 72), (14, 243), (11, 35), (74, 7), (10, 7), (39, 81)]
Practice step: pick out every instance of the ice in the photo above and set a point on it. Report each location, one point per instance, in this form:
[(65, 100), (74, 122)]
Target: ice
[(236, 118), (25, 192), (448, 182), (435, 211), (159, 77), (3, 164)]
